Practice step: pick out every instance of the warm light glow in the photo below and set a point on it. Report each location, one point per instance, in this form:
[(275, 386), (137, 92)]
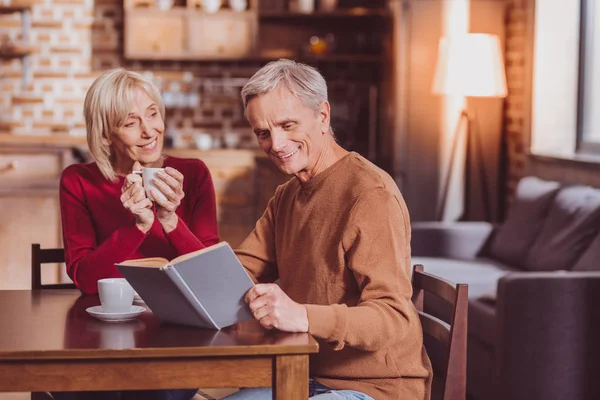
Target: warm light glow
[(470, 65)]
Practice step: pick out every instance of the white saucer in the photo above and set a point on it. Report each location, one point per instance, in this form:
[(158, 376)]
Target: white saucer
[(97, 312)]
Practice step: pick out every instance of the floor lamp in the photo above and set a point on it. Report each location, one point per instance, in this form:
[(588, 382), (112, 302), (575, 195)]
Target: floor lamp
[(469, 65)]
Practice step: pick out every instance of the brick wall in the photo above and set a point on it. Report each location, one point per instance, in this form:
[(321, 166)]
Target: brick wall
[(515, 109), (77, 39), (59, 70)]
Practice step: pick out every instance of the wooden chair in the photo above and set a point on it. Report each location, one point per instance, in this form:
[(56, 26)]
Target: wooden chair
[(41, 256), (449, 342)]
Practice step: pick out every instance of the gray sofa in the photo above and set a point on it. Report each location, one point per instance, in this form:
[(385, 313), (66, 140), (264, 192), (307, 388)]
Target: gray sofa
[(534, 292)]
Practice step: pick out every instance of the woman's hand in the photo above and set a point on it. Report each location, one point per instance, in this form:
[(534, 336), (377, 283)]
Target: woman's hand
[(134, 199), (170, 183)]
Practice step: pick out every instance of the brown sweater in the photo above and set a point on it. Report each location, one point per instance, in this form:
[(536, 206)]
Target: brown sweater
[(340, 244)]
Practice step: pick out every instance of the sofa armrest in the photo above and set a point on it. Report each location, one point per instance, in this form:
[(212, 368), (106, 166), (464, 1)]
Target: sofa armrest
[(462, 240), (548, 335)]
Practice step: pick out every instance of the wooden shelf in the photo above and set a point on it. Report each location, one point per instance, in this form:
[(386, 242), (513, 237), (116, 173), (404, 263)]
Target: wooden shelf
[(356, 12), (361, 58), (358, 58), (18, 53), (13, 9)]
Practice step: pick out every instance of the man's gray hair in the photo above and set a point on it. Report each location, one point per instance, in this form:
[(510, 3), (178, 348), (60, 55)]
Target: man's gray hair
[(304, 81)]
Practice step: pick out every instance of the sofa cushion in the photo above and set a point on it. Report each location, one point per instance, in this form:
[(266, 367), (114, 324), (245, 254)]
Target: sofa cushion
[(525, 220), (590, 259), (481, 274), (572, 223)]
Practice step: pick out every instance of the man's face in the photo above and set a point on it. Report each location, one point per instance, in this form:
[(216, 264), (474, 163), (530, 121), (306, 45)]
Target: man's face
[(290, 133)]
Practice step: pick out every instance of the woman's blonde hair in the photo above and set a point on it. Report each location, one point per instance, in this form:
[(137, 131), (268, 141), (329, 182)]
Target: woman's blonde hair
[(106, 107)]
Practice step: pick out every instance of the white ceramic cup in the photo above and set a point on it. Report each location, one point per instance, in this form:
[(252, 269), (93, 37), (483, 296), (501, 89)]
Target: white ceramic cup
[(147, 177), (116, 295), (238, 5), (231, 139), (164, 5), (306, 6), (211, 6), (203, 141)]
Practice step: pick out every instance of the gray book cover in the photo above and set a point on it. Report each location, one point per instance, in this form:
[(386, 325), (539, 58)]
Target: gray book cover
[(205, 290)]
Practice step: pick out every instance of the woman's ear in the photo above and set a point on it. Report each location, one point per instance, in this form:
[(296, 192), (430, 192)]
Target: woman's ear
[(106, 141)]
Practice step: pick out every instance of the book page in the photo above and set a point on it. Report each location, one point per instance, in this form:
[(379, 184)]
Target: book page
[(195, 253), (156, 262)]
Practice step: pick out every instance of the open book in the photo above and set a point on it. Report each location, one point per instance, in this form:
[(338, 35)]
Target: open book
[(205, 288)]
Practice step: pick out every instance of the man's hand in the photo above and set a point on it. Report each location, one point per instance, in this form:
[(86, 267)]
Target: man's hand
[(274, 309)]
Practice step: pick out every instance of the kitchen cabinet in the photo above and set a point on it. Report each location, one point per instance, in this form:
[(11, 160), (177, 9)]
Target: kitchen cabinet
[(188, 33), (151, 34)]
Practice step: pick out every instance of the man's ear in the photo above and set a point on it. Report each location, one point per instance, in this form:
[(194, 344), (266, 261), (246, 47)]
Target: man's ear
[(325, 117)]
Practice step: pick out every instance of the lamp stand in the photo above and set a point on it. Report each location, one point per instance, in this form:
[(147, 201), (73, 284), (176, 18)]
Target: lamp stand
[(473, 147)]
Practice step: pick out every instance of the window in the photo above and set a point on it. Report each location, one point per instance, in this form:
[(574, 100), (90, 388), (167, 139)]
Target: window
[(566, 79), (555, 74), (588, 119)]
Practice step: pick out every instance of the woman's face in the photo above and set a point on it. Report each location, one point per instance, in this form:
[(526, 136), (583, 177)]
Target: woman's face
[(141, 136)]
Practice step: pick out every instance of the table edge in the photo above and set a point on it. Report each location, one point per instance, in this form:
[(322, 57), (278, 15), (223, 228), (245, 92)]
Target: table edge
[(179, 352)]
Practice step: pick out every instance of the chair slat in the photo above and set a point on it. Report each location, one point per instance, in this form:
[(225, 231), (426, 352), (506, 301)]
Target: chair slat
[(449, 381), (435, 285), (59, 286), (46, 256), (435, 328), (52, 256)]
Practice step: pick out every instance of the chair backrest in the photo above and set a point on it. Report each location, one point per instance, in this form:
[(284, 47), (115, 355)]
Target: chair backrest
[(450, 339), (41, 256)]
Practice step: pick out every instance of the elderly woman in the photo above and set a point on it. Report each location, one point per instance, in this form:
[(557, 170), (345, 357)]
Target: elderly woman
[(106, 215)]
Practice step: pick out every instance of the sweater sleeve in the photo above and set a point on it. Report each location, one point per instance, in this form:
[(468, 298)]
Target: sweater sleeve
[(257, 252), (202, 229), (86, 260), (377, 246)]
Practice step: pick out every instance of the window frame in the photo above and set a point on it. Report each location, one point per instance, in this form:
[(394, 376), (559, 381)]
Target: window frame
[(583, 146)]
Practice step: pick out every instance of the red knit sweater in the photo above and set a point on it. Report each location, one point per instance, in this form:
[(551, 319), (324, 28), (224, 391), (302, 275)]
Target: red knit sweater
[(99, 232)]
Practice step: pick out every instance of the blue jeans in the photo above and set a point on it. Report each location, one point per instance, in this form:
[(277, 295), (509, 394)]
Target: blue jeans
[(316, 392), (175, 394)]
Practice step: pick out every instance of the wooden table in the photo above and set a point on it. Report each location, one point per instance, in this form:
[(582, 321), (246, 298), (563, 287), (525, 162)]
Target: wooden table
[(49, 343)]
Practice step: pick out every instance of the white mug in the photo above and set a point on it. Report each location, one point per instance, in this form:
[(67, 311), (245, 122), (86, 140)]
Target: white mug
[(204, 141), (148, 175), (238, 5), (164, 5), (306, 6), (211, 6), (116, 295)]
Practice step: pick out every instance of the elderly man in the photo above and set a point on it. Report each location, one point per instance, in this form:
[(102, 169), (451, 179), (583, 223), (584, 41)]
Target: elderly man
[(337, 236)]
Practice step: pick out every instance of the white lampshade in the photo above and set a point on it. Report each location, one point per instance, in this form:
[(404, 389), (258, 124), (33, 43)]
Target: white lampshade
[(470, 65)]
